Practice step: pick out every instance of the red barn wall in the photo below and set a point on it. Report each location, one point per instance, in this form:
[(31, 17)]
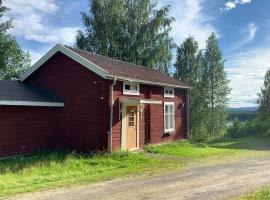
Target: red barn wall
[(26, 129), (83, 122), (151, 120)]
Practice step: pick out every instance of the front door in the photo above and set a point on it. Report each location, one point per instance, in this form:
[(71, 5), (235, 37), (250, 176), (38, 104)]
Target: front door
[(131, 124)]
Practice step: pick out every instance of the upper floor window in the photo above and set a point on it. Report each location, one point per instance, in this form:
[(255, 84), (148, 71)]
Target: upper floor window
[(131, 88), (168, 92)]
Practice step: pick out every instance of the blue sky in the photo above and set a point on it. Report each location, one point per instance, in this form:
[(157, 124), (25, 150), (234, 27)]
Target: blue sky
[(242, 26)]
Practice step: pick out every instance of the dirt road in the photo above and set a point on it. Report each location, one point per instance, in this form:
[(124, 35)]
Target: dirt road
[(222, 181)]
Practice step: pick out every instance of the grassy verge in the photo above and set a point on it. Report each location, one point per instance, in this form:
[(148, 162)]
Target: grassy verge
[(50, 169), (263, 194)]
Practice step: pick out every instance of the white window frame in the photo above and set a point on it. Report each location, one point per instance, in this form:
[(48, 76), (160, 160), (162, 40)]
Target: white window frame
[(131, 92), (171, 129), (169, 95)]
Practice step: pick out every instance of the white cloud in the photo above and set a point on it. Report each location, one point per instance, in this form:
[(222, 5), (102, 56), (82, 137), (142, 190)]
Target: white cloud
[(190, 20), (252, 30), (248, 34), (229, 5), (246, 71), (30, 21)]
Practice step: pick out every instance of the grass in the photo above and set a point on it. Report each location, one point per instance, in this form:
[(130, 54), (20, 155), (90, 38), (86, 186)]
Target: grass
[(263, 194), (230, 148), (50, 169)]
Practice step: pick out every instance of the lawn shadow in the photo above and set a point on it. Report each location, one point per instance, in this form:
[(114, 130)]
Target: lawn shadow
[(251, 143), (18, 163)]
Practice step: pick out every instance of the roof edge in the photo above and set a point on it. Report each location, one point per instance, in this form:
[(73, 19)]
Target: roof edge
[(149, 82), (71, 54), (31, 103)]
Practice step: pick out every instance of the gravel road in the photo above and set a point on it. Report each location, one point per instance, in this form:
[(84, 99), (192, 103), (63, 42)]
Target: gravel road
[(223, 181)]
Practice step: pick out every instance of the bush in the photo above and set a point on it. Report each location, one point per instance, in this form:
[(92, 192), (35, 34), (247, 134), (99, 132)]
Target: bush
[(249, 128), (236, 130)]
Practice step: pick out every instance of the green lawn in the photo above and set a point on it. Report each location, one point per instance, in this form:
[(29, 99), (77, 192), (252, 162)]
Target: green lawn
[(52, 169), (230, 148), (263, 194)]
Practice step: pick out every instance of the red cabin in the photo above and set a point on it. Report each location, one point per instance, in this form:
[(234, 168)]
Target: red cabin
[(83, 101)]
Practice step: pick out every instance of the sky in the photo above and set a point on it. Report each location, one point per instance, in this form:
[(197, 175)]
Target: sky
[(242, 27)]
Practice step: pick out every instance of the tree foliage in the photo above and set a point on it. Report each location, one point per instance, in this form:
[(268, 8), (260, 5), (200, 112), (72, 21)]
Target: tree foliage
[(217, 86), (208, 96), (7, 24), (264, 98), (13, 60), (131, 30)]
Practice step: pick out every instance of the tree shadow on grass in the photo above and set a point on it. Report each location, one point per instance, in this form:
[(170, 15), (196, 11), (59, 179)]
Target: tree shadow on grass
[(18, 163), (260, 143)]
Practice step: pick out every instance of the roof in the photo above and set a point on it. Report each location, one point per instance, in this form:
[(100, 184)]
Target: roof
[(111, 68), (18, 93)]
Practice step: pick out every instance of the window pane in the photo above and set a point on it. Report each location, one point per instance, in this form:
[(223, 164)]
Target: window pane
[(131, 119), (171, 109), (166, 121), (166, 109), (135, 88), (127, 87), (171, 121)]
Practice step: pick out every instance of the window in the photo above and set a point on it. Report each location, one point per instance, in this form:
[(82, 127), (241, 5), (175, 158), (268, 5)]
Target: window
[(131, 88), (169, 92), (131, 119), (169, 120)]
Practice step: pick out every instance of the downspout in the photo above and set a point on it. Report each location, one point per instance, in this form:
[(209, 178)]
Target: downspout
[(111, 114), (188, 118)]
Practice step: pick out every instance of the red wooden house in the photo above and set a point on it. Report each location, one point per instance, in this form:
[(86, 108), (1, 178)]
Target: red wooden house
[(83, 101)]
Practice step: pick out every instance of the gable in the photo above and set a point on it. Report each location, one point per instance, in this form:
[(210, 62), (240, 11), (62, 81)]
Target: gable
[(109, 68)]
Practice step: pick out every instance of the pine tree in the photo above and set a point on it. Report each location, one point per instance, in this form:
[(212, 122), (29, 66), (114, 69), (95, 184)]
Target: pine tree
[(130, 30), (217, 84), (264, 98)]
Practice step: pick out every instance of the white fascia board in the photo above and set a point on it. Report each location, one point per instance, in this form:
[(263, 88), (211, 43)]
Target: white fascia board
[(147, 82), (31, 103), (76, 57), (150, 101)]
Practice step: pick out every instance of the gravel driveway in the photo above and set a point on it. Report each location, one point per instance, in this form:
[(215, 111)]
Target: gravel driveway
[(221, 181)]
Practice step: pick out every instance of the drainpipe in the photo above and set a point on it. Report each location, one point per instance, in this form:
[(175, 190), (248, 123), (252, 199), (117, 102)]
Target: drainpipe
[(111, 114), (188, 116)]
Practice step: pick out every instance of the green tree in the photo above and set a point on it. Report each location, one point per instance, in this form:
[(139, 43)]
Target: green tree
[(264, 98), (189, 67), (7, 24), (186, 66), (131, 30), (217, 84), (13, 60)]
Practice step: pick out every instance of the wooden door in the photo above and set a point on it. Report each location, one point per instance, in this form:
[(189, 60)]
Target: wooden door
[(131, 124)]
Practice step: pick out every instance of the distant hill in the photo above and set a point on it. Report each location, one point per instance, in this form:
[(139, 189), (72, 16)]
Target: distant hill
[(244, 109), (243, 114)]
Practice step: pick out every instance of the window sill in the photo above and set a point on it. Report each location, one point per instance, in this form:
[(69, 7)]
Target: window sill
[(169, 132), (168, 96), (131, 93)]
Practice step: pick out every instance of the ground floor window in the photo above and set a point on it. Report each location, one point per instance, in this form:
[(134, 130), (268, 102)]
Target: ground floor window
[(169, 120)]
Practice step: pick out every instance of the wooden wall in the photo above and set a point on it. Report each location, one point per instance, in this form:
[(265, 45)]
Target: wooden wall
[(151, 122), (26, 129), (83, 122)]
